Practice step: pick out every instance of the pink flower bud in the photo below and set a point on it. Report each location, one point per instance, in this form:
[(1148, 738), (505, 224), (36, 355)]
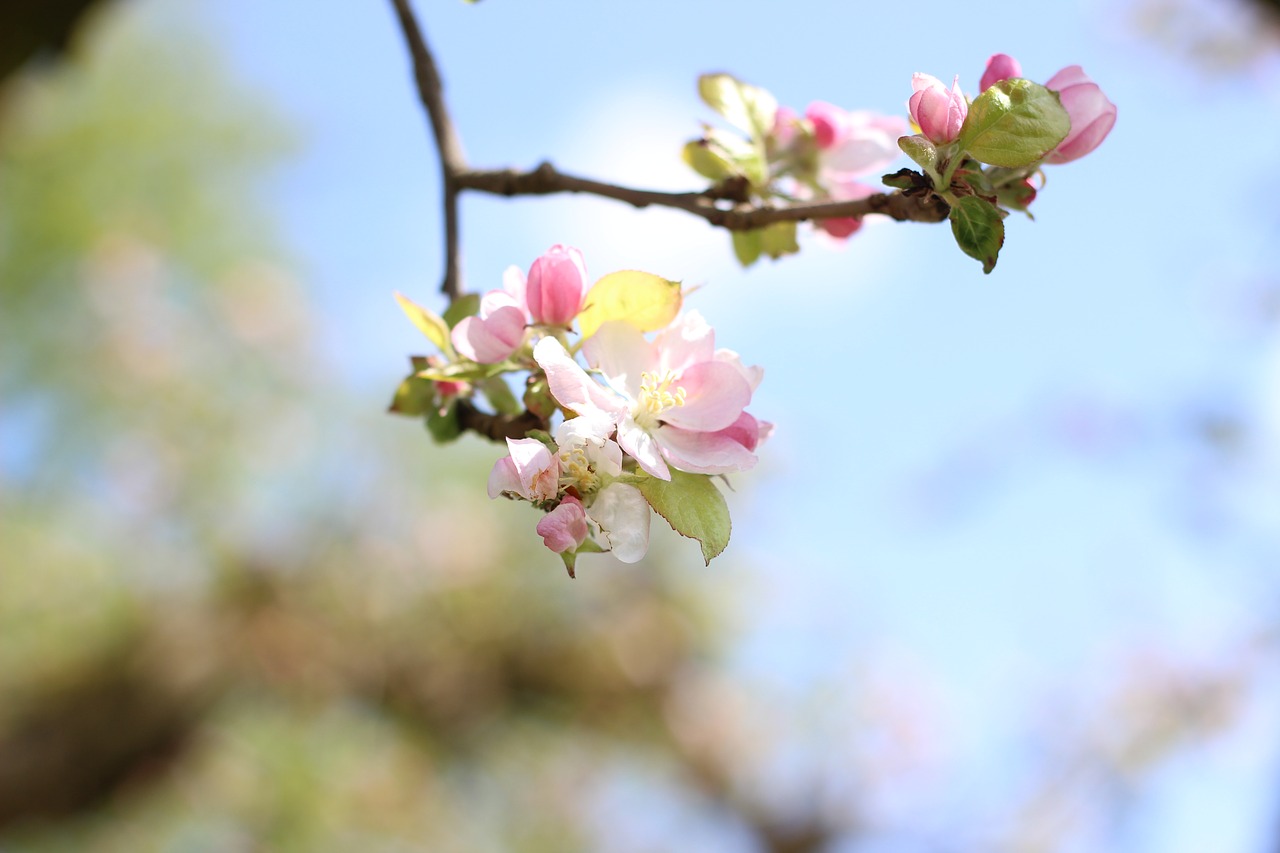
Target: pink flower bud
[(1001, 66), (493, 334), (829, 123), (555, 286), (937, 112), (845, 226), (1092, 115), (565, 527)]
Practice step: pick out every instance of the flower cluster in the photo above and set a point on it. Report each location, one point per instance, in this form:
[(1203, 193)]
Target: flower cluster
[(820, 156), (642, 424), (981, 154), (977, 155)]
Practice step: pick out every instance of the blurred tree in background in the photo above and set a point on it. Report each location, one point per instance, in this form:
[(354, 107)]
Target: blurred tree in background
[(231, 622)]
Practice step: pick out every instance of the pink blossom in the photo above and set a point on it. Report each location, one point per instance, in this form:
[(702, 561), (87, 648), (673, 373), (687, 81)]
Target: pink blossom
[(529, 470), (662, 394), (859, 143), (565, 527), (845, 226), (938, 113), (498, 330), (1092, 115), (1000, 66), (554, 288), (784, 126)]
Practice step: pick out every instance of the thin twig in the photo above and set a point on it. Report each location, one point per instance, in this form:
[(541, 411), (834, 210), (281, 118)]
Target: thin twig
[(452, 159)]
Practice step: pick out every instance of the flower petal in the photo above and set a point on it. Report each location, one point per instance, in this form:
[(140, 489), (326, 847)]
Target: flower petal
[(570, 384), (705, 452), (565, 527), (623, 516), (715, 395), (642, 447)]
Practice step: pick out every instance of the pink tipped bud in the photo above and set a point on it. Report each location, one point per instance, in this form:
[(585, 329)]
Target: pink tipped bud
[(938, 113), (1092, 115), (1001, 66), (555, 286), (784, 126), (565, 527)]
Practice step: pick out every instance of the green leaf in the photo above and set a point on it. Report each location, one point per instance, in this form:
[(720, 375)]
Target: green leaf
[(978, 229), (693, 506), (1014, 123), (498, 393), (746, 107), (444, 425), (748, 245), (466, 371), (464, 306), (707, 160), (415, 396), (921, 150), (906, 179), (779, 239), (429, 323)]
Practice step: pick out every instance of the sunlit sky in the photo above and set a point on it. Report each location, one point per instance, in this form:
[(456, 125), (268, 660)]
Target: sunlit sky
[(991, 479)]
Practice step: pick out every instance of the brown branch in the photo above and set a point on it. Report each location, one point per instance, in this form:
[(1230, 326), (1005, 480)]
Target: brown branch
[(709, 205), (452, 160)]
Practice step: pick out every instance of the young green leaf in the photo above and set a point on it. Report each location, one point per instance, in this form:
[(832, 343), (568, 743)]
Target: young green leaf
[(779, 239), (746, 107), (430, 324), (693, 506), (1014, 123), (642, 299), (465, 305), (978, 229)]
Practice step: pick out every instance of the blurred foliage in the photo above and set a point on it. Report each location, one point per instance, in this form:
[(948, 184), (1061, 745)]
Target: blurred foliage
[(243, 611)]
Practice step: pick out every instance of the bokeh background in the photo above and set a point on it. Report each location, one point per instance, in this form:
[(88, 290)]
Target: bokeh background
[(1005, 579)]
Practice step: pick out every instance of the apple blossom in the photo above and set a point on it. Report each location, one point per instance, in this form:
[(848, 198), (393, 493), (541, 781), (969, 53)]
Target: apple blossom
[(670, 399), (1092, 115), (938, 113), (495, 333), (528, 470)]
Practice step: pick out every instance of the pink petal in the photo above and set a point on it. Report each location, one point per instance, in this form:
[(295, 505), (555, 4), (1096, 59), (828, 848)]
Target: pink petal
[(1000, 66), (570, 384), (503, 478), (489, 340), (535, 466), (688, 340), (555, 286), (565, 527), (715, 395), (705, 452)]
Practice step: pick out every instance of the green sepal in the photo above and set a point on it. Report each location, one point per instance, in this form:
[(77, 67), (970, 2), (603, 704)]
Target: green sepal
[(443, 424), (588, 546), (693, 506), (978, 227), (537, 397), (921, 150), (465, 305), (1014, 123), (906, 179), (746, 107), (498, 393), (747, 246)]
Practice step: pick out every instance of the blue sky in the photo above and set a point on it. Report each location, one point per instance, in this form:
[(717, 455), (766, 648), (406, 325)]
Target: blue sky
[(989, 476)]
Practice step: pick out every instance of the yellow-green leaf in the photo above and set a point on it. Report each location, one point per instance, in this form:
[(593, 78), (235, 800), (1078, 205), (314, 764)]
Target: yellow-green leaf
[(642, 299), (431, 325)]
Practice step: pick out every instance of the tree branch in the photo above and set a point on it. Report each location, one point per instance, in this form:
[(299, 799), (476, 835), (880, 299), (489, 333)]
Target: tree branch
[(709, 205), (452, 160)]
